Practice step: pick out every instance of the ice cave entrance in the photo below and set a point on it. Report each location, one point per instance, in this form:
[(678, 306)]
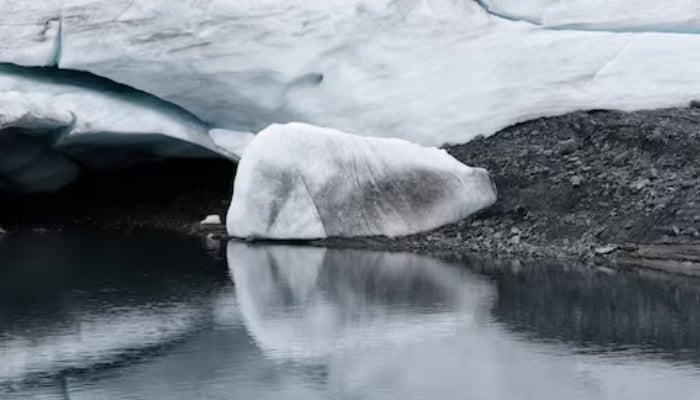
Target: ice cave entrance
[(109, 182)]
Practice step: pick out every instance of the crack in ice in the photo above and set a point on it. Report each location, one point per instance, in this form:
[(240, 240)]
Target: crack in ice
[(579, 27)]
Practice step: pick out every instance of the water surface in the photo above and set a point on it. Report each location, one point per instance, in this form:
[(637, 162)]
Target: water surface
[(152, 318)]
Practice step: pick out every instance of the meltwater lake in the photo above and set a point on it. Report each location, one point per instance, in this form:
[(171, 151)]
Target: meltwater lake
[(99, 317)]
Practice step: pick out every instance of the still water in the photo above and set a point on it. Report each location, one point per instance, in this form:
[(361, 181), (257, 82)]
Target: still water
[(157, 318)]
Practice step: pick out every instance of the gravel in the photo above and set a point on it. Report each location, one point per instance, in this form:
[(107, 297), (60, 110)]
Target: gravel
[(578, 185)]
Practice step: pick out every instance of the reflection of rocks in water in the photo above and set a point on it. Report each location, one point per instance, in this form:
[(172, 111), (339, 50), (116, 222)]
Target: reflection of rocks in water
[(71, 303), (595, 309), (306, 302)]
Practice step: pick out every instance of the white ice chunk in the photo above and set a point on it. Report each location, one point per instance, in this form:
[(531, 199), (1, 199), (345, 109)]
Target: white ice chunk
[(298, 181), (211, 220)]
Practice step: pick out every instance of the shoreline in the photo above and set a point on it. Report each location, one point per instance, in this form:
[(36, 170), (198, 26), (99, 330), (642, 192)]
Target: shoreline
[(601, 187)]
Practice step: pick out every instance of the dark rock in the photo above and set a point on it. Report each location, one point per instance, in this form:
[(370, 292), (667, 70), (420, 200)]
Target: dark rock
[(567, 146), (622, 158)]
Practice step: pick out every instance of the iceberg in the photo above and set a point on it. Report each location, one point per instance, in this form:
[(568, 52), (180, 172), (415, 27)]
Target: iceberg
[(298, 181)]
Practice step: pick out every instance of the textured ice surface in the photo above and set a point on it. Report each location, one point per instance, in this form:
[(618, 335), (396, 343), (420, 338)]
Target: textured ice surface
[(73, 104), (231, 143), (298, 181), (431, 71), (53, 121), (614, 15)]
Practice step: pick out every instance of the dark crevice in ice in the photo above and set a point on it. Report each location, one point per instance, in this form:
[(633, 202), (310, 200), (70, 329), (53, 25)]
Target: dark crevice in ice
[(58, 45), (689, 30)]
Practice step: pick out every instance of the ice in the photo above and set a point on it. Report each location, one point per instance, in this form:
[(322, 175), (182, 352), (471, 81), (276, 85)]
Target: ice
[(53, 123), (30, 31), (74, 104), (211, 220), (430, 71), (232, 143), (614, 15), (298, 181)]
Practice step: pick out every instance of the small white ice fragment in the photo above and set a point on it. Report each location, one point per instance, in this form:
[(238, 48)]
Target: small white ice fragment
[(211, 220)]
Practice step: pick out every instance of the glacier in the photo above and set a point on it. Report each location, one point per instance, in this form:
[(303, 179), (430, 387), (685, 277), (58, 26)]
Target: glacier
[(298, 181), (52, 122), (612, 15), (430, 71), (198, 77)]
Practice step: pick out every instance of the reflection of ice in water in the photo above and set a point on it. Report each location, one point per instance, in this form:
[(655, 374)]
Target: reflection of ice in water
[(312, 302), (346, 324), (403, 326), (94, 339)]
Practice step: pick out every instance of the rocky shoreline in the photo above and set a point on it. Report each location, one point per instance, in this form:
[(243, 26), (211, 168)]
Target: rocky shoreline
[(603, 186)]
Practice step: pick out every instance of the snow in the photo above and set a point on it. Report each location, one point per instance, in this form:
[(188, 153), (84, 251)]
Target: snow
[(298, 181)]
